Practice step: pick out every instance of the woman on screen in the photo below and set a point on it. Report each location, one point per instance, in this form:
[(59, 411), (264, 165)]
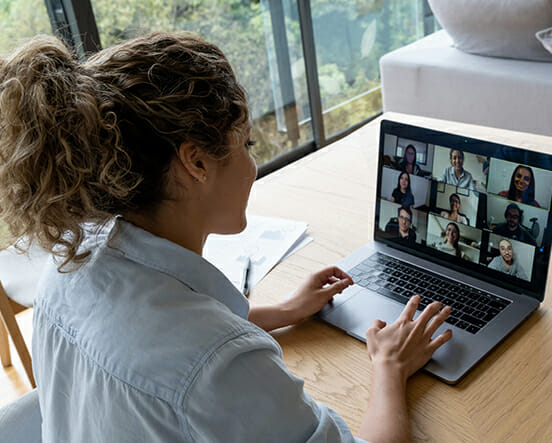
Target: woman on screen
[(402, 194), (454, 213), (120, 167), (408, 162), (522, 186), (450, 244)]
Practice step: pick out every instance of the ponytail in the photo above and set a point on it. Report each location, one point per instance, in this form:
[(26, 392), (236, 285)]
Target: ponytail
[(60, 160)]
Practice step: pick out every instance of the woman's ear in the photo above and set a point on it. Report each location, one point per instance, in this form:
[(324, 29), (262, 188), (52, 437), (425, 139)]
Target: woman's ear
[(194, 161)]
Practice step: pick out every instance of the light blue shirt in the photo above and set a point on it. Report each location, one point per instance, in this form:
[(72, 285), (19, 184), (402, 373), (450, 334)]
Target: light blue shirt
[(148, 342), (464, 181)]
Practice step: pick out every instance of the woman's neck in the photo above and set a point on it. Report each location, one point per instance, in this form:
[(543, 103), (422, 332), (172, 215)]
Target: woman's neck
[(167, 222)]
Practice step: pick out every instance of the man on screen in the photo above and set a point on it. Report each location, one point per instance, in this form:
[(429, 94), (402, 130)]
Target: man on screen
[(512, 227), (402, 230), (505, 261)]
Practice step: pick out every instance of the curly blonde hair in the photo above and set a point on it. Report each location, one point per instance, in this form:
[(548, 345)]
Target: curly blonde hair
[(86, 142)]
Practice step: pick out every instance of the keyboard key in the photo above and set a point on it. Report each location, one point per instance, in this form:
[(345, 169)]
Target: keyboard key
[(473, 320), (473, 329), (462, 324), (452, 320), (392, 295), (497, 305)]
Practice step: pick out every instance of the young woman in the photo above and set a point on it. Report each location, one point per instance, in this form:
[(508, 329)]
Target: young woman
[(522, 186), (402, 194), (450, 244), (408, 162), (121, 167), (454, 213)]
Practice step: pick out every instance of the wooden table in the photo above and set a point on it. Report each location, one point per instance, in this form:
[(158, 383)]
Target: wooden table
[(507, 397)]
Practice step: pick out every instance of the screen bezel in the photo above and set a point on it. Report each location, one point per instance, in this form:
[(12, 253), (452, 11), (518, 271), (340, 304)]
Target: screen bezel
[(537, 286)]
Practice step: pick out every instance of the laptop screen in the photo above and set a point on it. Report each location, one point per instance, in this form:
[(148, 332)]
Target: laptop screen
[(472, 205)]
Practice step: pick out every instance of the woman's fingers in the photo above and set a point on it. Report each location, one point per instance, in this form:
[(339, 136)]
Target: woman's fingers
[(428, 313), (439, 341), (338, 286), (329, 275), (410, 308), (437, 321), (378, 324)]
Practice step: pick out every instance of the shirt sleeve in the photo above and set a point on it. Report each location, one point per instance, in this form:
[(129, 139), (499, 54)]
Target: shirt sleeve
[(244, 392), (443, 177)]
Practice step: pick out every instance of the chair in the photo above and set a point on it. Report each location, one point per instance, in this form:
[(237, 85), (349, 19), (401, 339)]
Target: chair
[(21, 420), (19, 275)]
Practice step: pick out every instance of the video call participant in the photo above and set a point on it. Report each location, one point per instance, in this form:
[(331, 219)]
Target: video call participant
[(522, 187), (505, 262), (454, 213), (455, 174), (402, 194), (512, 227), (408, 162), (403, 230), (450, 244)]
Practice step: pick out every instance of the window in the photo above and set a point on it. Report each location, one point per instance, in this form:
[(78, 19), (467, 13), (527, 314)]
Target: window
[(311, 68), (20, 20)]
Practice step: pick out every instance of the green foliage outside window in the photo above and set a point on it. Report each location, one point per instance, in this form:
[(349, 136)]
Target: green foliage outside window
[(21, 19)]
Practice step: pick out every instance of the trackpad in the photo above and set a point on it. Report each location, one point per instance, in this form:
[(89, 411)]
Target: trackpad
[(358, 313)]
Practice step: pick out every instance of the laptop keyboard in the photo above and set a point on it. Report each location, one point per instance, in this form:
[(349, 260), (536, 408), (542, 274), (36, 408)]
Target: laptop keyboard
[(472, 308)]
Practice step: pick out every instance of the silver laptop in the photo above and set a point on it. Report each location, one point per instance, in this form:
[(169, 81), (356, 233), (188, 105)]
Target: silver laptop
[(457, 220)]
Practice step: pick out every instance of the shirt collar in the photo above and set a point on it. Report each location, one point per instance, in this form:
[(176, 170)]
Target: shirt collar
[(186, 266)]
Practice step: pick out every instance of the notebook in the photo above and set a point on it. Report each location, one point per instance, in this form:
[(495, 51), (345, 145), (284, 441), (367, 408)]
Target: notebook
[(459, 220)]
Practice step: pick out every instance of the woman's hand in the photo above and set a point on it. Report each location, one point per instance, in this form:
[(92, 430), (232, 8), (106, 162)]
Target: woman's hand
[(309, 298), (397, 351), (315, 292), (406, 345)]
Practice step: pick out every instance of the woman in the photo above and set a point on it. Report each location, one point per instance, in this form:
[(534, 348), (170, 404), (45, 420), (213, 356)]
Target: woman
[(450, 245), (121, 167), (454, 213), (408, 162), (455, 174), (522, 186), (402, 194)]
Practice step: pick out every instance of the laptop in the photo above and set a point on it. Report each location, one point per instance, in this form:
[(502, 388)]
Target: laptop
[(462, 221)]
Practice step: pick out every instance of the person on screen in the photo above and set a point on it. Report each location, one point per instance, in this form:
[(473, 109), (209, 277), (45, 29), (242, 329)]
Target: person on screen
[(450, 244), (402, 194), (522, 187), (454, 213), (506, 262), (408, 162), (403, 230), (455, 174), (512, 227)]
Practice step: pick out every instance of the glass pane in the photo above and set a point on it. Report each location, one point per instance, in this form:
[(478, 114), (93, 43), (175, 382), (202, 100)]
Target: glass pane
[(21, 19), (244, 30), (350, 37)]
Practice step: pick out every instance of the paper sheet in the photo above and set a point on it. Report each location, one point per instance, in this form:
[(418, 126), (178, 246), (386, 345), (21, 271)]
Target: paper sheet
[(265, 241)]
